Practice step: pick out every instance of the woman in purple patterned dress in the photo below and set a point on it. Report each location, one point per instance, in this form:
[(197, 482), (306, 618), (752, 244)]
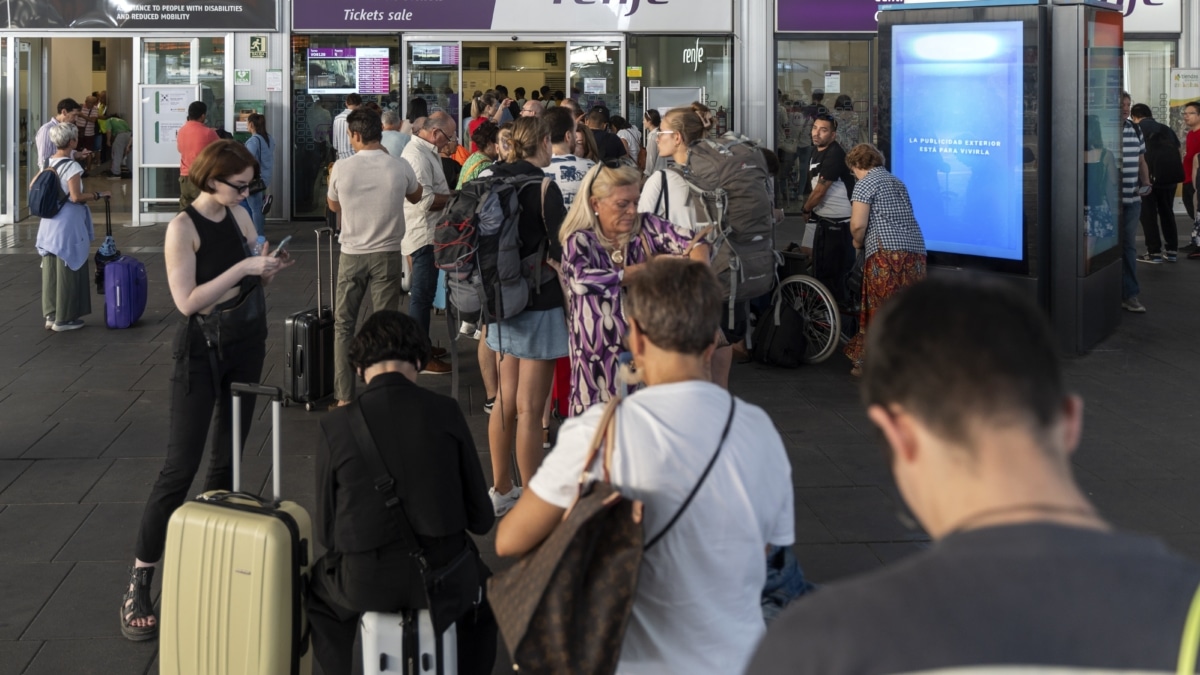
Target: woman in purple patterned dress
[(605, 240)]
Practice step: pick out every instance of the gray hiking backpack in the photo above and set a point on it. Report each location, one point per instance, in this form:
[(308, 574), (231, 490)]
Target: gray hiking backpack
[(731, 187)]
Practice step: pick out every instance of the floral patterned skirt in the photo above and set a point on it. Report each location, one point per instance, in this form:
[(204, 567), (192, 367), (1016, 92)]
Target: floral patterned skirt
[(884, 274)]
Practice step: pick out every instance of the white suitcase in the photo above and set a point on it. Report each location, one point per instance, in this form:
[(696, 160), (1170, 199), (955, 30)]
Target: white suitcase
[(383, 644)]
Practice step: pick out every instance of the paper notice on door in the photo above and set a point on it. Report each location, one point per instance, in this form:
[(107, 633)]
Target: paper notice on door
[(833, 82), (274, 80), (595, 85)]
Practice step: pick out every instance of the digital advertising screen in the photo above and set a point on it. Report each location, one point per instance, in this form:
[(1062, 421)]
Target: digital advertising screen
[(1104, 42), (348, 70), (434, 55), (957, 138)]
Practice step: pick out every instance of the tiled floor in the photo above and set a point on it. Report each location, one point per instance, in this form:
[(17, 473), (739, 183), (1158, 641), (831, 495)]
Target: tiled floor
[(83, 429)]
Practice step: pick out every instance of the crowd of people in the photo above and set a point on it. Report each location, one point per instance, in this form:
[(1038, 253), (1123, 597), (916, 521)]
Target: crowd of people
[(975, 419)]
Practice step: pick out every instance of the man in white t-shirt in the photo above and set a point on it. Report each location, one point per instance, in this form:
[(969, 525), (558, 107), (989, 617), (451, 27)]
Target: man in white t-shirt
[(697, 608), (368, 188), (565, 168), (341, 141)]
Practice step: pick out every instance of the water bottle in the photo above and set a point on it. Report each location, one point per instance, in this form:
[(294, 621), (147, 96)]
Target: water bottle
[(258, 245)]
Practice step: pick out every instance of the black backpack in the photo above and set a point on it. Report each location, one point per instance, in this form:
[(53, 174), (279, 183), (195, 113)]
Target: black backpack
[(46, 196), (1162, 156), (779, 338)]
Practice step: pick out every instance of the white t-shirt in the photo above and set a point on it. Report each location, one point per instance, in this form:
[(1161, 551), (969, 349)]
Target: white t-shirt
[(370, 187), (697, 608), (682, 210), (633, 142), (568, 172), (423, 157)]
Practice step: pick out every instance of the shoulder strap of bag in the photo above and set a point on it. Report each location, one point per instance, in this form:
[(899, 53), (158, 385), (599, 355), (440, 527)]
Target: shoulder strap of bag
[(603, 438), (664, 198), (1191, 639), (385, 485), (703, 476)]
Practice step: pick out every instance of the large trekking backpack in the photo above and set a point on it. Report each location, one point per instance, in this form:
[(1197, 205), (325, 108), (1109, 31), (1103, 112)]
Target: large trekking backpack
[(478, 245), (46, 196), (731, 178)]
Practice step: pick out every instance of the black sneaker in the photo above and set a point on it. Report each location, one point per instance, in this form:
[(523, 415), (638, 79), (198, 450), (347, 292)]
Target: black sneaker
[(1151, 258)]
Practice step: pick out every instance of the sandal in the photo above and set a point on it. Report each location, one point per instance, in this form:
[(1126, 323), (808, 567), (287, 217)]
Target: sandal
[(137, 605)]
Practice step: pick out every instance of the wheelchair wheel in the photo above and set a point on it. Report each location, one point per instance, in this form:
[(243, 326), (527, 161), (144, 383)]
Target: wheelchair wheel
[(814, 302)]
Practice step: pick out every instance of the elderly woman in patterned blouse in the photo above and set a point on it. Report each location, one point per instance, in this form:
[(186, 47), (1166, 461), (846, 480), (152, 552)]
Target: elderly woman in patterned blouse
[(605, 241), (882, 223)]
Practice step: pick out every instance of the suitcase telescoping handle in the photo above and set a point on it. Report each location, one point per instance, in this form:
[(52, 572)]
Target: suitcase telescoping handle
[(276, 395), (321, 231)]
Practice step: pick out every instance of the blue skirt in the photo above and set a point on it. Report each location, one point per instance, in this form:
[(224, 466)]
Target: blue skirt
[(535, 335)]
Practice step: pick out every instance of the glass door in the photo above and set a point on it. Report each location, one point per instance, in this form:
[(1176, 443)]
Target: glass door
[(433, 74), (31, 114), (173, 61), (6, 154), (595, 73)]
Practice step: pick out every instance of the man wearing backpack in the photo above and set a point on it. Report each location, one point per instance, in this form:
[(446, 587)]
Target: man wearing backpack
[(1166, 173)]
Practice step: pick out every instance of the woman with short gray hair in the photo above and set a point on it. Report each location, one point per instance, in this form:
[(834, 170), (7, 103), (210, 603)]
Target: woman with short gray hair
[(64, 239)]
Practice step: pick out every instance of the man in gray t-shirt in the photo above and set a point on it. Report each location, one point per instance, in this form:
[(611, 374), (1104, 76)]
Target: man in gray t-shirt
[(1023, 571)]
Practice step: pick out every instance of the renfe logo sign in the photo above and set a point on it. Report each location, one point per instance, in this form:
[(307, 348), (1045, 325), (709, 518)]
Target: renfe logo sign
[(633, 4), (694, 56)]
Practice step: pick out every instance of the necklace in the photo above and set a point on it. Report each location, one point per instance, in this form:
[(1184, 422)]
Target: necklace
[(1037, 507)]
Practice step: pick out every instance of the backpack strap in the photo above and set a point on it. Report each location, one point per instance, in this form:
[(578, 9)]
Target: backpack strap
[(664, 198)]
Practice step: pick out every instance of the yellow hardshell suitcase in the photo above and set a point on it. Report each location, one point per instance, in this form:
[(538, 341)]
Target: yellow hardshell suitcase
[(234, 573)]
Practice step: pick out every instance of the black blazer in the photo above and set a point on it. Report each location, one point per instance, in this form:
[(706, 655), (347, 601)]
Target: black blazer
[(428, 449)]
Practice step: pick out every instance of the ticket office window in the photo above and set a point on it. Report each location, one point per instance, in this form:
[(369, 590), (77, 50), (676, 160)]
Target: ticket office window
[(814, 76), (325, 70)]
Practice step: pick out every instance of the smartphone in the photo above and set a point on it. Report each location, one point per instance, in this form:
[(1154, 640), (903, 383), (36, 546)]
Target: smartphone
[(281, 247)]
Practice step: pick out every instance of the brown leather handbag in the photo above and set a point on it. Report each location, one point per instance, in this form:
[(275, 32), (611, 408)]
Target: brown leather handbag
[(563, 608)]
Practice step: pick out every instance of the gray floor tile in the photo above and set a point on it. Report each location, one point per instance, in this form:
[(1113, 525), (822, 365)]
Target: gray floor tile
[(38, 532), (85, 604), (75, 439), (863, 463), (857, 514), (108, 535), (96, 406), (34, 406), (808, 527), (55, 481), (121, 354), (16, 655), (25, 588), (93, 657), (10, 469), (43, 379), (141, 438), (811, 468), (109, 376), (127, 480), (8, 374), (20, 434), (157, 379), (70, 349)]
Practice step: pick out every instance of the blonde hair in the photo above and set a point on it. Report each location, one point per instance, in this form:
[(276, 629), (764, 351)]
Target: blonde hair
[(685, 122), (599, 182), (526, 140)]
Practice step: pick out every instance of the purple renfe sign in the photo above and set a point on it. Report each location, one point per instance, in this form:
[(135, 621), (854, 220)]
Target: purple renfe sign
[(829, 16), (376, 15)]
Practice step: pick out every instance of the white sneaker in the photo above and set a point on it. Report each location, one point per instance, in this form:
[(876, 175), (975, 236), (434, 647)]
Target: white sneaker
[(502, 504), (467, 328)]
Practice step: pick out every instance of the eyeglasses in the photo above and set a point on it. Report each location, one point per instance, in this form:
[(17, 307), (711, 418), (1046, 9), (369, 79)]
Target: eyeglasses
[(667, 132), (240, 189)]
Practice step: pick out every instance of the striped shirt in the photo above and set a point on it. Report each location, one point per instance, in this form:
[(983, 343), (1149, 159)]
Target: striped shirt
[(891, 225), (1132, 148)]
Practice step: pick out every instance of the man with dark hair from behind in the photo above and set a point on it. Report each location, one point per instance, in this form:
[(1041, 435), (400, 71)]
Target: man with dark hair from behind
[(609, 144), (193, 137), (1166, 173), (979, 429), (368, 188), (341, 141)]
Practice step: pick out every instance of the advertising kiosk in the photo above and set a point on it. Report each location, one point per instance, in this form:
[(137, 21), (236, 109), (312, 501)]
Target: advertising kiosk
[(984, 114)]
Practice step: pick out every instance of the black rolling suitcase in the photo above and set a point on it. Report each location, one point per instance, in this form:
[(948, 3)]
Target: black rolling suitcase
[(309, 342)]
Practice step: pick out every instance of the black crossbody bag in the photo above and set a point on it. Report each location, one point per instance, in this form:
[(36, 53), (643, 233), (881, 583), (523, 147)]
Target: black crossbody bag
[(452, 590)]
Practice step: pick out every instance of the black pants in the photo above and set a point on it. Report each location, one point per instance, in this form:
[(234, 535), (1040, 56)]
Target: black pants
[(193, 399), (345, 585), (1158, 211), (1189, 192)]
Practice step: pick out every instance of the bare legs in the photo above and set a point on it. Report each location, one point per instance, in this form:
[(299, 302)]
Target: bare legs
[(524, 386)]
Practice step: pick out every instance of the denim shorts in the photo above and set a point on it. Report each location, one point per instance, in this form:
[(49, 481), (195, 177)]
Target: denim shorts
[(538, 335)]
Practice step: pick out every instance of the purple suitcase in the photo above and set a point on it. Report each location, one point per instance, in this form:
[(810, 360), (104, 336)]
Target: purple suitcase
[(124, 291)]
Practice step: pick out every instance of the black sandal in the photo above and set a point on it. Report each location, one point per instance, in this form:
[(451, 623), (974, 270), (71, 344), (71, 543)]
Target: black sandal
[(141, 607)]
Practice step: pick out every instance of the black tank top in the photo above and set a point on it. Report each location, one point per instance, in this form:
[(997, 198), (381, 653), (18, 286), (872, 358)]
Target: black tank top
[(221, 245)]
